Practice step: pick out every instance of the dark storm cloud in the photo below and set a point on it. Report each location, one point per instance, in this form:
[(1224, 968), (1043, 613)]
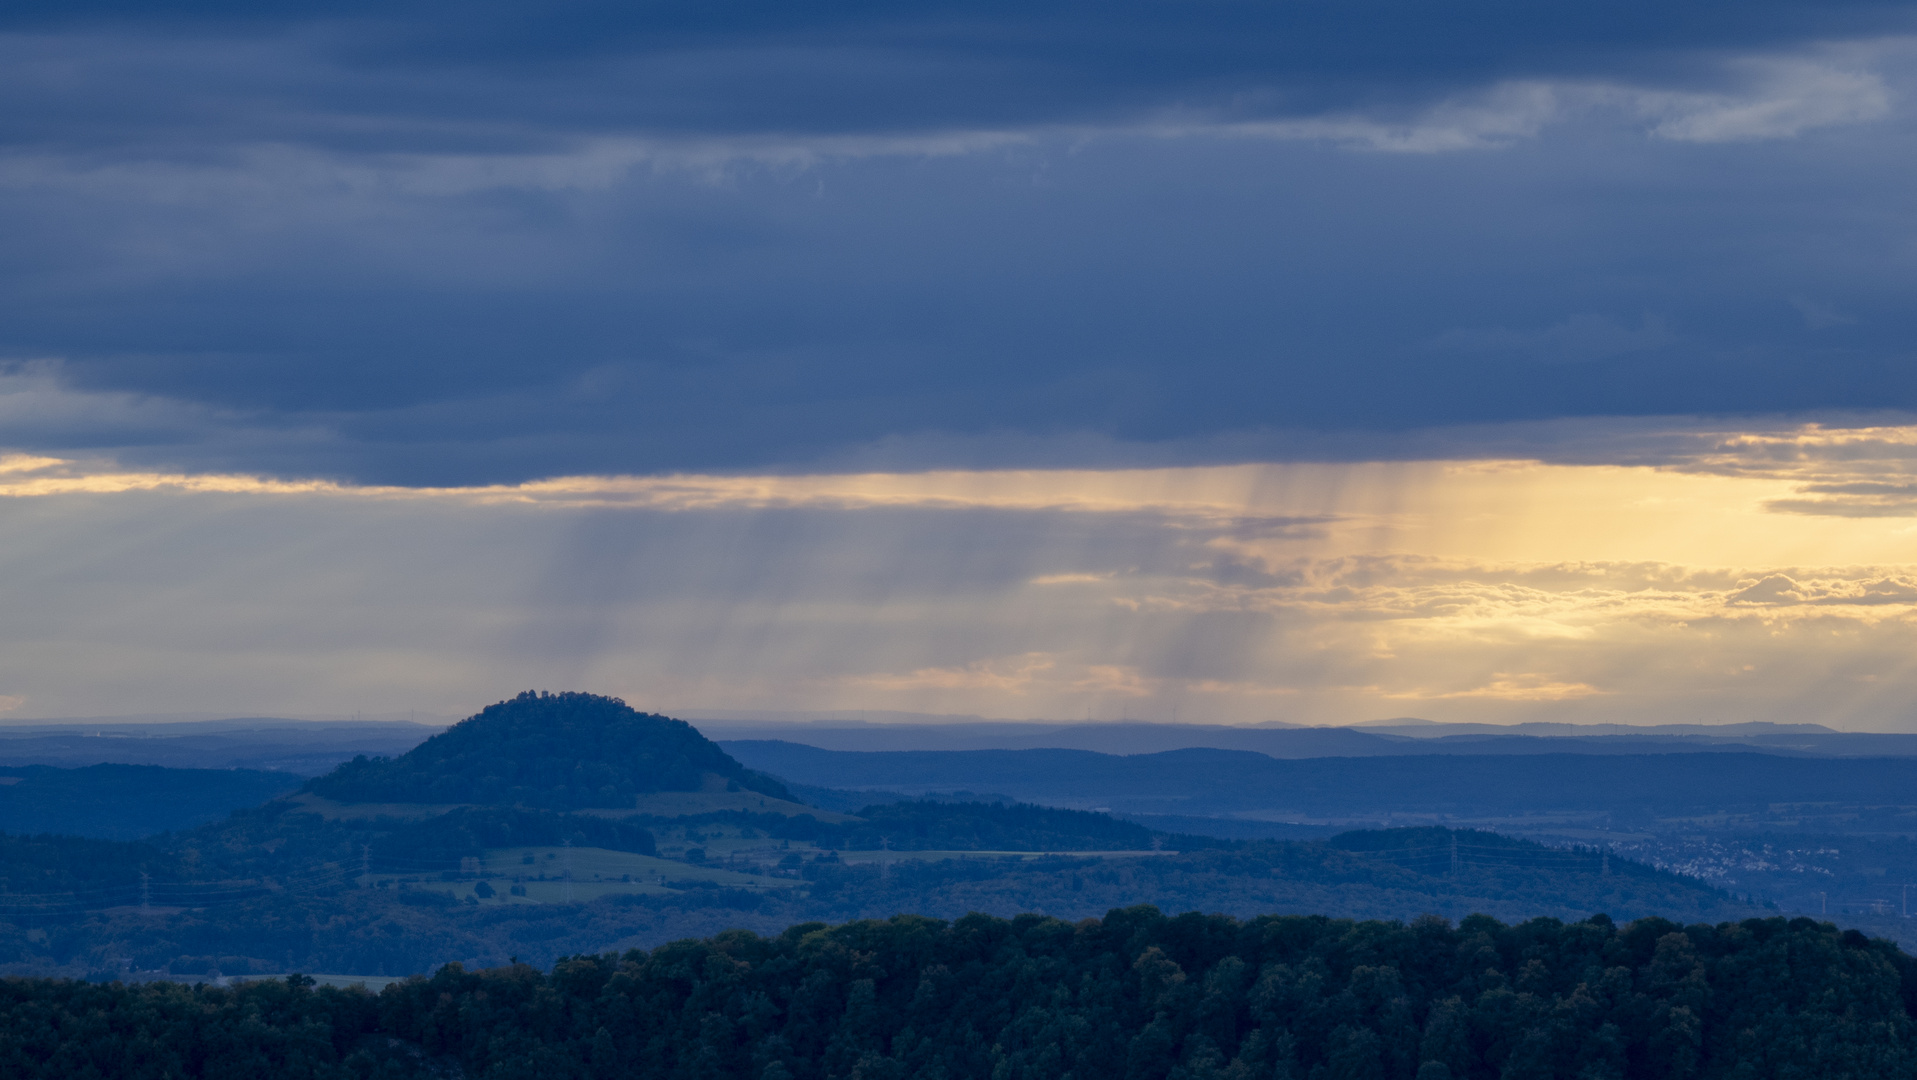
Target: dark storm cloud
[(456, 243), (499, 73)]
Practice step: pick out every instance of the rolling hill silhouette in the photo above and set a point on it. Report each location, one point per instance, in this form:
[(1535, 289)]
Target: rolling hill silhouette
[(564, 751), (554, 824)]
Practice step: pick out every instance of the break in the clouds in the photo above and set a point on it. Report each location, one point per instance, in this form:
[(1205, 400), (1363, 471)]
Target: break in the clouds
[(1731, 575), (425, 243)]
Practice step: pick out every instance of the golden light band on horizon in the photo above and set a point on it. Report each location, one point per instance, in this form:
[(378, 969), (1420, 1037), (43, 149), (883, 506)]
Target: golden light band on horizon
[(1737, 574)]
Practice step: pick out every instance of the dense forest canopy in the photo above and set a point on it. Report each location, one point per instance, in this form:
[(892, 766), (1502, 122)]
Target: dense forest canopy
[(553, 751), (1135, 995)]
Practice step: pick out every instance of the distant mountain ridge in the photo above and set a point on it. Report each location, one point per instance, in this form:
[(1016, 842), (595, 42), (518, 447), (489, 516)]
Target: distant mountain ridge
[(1411, 725), (125, 802), (306, 747), (567, 751), (1317, 742), (1224, 783), (313, 748), (552, 824)]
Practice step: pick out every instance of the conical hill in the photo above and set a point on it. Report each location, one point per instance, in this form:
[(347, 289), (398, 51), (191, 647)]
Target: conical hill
[(554, 751)]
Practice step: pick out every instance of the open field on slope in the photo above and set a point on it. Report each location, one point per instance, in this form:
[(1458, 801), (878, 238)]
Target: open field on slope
[(543, 872)]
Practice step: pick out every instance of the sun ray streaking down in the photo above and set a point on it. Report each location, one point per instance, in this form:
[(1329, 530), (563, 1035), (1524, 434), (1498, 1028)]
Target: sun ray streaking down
[(1740, 575)]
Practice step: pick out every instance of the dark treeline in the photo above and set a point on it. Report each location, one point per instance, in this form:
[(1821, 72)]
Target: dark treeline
[(1135, 995)]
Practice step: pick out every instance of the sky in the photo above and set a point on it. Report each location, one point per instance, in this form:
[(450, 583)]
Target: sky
[(1217, 360)]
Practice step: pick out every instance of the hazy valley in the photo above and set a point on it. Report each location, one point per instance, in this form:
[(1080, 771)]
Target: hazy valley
[(517, 835)]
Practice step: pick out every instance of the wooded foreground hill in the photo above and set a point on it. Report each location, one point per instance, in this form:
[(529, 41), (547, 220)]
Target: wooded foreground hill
[(1135, 995), (562, 751)]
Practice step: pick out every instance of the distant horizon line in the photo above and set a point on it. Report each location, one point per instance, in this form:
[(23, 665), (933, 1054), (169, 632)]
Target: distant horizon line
[(891, 718)]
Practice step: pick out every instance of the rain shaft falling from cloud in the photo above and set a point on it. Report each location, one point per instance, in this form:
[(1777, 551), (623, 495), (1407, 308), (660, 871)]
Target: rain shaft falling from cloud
[(1729, 581)]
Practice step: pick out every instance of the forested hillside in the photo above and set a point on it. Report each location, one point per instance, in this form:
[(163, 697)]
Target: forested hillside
[(572, 829), (554, 751), (1135, 995), (547, 849), (286, 892)]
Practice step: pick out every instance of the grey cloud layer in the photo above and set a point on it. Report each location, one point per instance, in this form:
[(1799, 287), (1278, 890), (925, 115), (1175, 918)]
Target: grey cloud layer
[(362, 76), (426, 244)]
